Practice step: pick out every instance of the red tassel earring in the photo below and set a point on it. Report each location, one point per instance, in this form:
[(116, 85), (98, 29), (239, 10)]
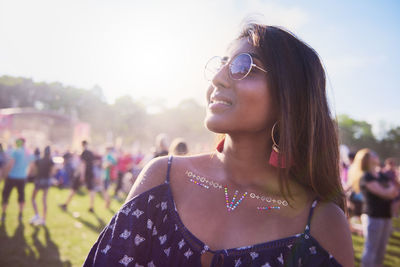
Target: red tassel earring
[(220, 146), (274, 157)]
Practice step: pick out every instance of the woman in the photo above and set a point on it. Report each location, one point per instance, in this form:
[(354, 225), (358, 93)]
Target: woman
[(246, 205), (44, 170), (378, 192)]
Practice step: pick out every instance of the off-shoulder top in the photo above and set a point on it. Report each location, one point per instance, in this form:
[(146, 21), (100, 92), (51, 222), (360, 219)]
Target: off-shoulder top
[(147, 231)]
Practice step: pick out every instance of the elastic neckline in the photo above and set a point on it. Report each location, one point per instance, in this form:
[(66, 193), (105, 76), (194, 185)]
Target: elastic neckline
[(201, 247)]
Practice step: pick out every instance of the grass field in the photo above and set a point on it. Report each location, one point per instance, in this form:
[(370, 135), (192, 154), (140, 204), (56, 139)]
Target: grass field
[(68, 236), (392, 256)]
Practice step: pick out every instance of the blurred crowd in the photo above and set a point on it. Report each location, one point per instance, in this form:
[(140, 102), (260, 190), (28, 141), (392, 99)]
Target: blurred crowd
[(110, 173), (372, 189)]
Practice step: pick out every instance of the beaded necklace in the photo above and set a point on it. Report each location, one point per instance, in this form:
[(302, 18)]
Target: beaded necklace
[(231, 205)]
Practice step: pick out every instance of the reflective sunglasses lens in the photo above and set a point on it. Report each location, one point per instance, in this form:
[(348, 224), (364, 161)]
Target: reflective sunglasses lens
[(240, 66), (212, 67)]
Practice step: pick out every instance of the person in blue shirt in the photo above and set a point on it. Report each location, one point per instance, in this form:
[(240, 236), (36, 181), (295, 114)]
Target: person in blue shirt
[(18, 165), (109, 162)]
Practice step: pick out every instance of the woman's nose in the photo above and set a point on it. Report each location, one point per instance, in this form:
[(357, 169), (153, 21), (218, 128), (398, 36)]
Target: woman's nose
[(221, 78)]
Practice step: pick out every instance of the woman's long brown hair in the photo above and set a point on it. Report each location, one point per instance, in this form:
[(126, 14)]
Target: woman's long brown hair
[(307, 133)]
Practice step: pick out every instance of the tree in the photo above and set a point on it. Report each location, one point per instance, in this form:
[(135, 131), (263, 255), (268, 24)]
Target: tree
[(356, 134), (390, 144)]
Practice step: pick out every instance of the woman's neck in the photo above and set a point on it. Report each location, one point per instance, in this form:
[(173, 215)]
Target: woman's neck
[(245, 161)]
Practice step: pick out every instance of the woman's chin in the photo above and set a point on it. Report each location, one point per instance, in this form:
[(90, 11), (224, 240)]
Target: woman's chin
[(214, 125)]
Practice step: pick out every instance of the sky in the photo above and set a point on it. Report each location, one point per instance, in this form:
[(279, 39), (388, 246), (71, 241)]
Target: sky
[(156, 50)]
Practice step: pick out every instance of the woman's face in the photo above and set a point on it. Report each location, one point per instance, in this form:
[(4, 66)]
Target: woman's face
[(240, 105)]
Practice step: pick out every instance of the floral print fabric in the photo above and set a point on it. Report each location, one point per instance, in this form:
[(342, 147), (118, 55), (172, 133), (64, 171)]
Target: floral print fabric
[(147, 231)]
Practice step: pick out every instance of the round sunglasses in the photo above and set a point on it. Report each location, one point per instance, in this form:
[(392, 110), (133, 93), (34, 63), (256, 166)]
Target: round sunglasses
[(239, 67)]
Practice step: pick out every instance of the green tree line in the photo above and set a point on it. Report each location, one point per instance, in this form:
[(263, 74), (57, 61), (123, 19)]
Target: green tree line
[(130, 119), (357, 134), (126, 118)]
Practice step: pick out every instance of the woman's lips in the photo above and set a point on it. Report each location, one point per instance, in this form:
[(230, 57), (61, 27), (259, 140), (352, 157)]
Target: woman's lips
[(219, 104)]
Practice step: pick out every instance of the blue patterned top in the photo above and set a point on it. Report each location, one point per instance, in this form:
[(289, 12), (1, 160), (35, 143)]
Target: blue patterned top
[(147, 231)]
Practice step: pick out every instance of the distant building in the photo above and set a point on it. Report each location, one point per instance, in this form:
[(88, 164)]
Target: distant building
[(41, 128)]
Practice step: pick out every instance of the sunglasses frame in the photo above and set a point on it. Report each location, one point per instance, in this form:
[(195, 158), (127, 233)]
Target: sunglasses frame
[(229, 63)]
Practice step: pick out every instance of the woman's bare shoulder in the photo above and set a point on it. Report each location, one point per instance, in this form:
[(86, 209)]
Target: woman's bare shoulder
[(198, 161), (155, 172), (330, 228)]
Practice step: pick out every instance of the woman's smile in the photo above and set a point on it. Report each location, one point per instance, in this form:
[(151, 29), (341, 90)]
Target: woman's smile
[(219, 103)]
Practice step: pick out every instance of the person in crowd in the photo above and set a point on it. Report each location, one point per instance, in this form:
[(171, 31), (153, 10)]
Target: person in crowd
[(270, 195), (100, 184), (138, 159), (178, 147), (378, 193), (109, 162), (32, 174), (161, 148), (36, 153), (85, 175), (344, 163), (67, 171), (18, 165), (345, 166), (124, 165), (390, 170), (44, 170), (98, 172)]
